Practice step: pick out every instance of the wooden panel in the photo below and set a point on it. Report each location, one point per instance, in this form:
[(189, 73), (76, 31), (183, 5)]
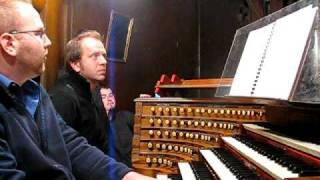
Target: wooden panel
[(52, 19), (39, 5), (218, 24)]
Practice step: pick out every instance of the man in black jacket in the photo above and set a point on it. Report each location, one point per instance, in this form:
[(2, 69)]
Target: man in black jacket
[(119, 128), (35, 142), (72, 95)]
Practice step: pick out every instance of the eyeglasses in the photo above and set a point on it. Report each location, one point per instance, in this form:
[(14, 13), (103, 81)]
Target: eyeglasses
[(39, 33)]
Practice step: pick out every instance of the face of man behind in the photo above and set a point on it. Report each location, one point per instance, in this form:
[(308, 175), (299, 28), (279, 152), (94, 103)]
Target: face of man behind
[(108, 99), (92, 64)]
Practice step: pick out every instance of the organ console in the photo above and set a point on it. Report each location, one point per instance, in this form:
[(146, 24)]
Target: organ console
[(233, 137), (193, 138)]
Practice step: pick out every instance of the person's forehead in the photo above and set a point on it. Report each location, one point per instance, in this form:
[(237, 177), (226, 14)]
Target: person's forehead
[(106, 91), (92, 44), (29, 17)]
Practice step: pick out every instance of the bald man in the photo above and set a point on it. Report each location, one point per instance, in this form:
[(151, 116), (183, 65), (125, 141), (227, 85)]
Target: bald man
[(35, 142)]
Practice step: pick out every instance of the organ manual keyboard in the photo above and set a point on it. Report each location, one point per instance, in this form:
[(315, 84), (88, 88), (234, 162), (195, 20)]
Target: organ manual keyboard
[(244, 132), (260, 154)]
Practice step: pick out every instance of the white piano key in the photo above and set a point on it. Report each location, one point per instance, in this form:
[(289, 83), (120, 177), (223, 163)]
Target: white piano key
[(220, 169), (186, 171), (307, 147), (162, 177), (274, 169)]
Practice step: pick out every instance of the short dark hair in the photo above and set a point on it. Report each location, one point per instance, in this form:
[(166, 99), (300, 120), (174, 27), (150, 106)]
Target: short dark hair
[(73, 49)]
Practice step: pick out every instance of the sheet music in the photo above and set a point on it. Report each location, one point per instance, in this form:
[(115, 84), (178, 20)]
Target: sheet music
[(252, 54), (277, 49)]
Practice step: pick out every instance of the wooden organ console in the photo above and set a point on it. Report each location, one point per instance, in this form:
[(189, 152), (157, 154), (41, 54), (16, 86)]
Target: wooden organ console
[(232, 136), (170, 132), (172, 129)]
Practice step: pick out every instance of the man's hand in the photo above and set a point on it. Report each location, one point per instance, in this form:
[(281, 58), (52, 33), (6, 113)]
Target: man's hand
[(136, 176)]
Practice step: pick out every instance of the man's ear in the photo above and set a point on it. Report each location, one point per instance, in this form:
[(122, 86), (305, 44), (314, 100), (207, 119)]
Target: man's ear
[(75, 65), (8, 44)]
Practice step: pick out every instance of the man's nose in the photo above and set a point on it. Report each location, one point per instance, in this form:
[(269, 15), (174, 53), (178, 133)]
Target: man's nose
[(102, 59), (47, 41)]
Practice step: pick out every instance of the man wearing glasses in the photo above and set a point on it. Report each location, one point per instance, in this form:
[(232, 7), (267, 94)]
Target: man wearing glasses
[(35, 142)]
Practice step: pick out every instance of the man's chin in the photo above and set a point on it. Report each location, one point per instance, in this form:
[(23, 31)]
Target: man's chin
[(101, 78), (42, 69), (39, 72)]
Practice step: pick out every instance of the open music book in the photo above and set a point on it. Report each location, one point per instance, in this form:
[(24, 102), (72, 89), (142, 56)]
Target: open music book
[(272, 55)]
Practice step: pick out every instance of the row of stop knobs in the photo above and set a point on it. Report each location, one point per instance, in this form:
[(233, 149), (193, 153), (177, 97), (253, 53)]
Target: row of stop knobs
[(169, 147), (159, 161), (181, 134), (189, 123), (174, 111)]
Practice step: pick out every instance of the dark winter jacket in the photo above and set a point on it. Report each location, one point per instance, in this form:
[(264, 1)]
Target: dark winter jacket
[(73, 100), (45, 147)]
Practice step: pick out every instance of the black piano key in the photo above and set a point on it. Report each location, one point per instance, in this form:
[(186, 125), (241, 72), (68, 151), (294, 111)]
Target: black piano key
[(234, 165), (200, 170), (292, 163), (175, 177), (310, 172)]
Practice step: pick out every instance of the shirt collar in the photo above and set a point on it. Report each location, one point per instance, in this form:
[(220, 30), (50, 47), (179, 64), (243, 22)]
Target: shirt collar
[(31, 87), (28, 93), (28, 85), (5, 81)]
